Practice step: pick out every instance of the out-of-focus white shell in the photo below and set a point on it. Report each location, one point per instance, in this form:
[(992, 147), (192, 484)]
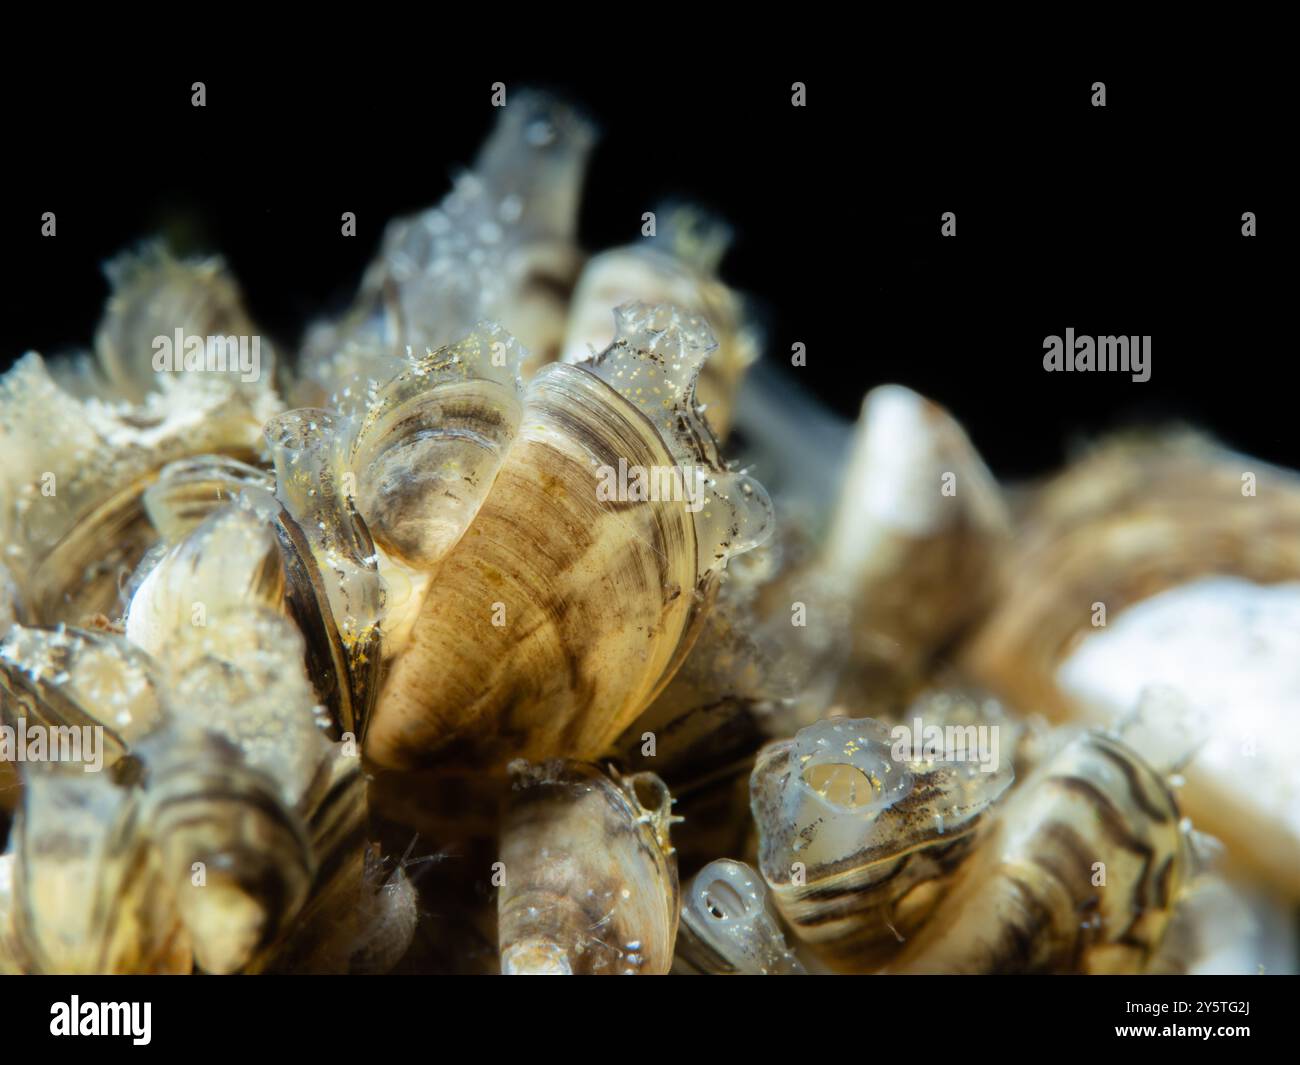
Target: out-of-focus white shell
[(1167, 567)]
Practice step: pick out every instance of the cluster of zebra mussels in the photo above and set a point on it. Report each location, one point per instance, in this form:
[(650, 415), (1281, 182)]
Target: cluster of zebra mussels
[(473, 574)]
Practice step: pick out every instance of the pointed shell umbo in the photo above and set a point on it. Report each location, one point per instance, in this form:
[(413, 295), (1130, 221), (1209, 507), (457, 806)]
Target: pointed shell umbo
[(255, 587), (916, 543), (244, 781), (548, 550), (862, 609), (590, 876), (858, 844), (217, 750), (231, 557), (237, 860)]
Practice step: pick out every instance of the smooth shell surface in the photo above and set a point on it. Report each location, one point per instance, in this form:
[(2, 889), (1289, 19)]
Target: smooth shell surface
[(917, 543)]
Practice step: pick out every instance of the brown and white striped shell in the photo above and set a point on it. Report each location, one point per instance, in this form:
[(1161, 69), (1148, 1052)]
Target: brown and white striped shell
[(1080, 872), (545, 607), (1169, 567), (882, 861), (858, 839)]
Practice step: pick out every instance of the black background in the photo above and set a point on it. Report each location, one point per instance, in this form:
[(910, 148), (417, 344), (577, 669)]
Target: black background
[(1123, 220)]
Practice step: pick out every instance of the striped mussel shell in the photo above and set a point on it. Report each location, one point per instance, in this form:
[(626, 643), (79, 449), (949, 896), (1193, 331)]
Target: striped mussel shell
[(1081, 871), (588, 872), (230, 801), (1168, 567), (859, 836), (87, 894), (537, 598), (82, 447)]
